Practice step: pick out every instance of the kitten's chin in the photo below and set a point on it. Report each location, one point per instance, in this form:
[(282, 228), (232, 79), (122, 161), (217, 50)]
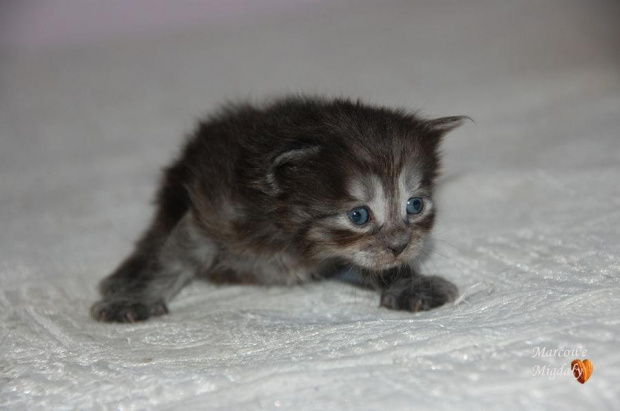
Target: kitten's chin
[(379, 263), (383, 261)]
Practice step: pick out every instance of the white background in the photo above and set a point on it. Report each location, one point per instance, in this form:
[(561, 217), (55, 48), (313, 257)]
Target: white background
[(94, 100)]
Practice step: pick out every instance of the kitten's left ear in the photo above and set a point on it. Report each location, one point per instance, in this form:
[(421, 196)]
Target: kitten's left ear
[(444, 125), (286, 163)]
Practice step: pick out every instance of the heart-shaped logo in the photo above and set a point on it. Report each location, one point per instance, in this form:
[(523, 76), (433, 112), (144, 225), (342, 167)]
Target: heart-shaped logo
[(582, 370)]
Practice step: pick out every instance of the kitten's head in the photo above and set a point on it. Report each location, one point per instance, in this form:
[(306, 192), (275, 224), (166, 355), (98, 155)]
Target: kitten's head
[(356, 183)]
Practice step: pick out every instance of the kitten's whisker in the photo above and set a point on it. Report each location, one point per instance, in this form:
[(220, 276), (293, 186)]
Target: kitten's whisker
[(449, 244)]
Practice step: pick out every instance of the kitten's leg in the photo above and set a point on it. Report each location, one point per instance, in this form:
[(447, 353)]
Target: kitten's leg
[(402, 288), (172, 202), (130, 296)]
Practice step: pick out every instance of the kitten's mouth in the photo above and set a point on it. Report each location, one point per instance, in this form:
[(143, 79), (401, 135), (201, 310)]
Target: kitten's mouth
[(381, 263), (378, 259), (394, 263)]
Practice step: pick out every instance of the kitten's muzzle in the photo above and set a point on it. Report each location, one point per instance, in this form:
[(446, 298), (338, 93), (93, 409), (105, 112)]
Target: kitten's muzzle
[(397, 242), (398, 248)]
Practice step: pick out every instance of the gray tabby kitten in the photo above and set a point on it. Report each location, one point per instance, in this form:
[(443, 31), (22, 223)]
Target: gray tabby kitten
[(286, 193)]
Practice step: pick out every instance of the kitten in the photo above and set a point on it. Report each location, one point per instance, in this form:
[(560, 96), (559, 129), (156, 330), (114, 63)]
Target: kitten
[(287, 193)]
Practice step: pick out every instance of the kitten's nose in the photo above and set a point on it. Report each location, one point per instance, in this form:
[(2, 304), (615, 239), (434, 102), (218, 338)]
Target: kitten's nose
[(398, 248)]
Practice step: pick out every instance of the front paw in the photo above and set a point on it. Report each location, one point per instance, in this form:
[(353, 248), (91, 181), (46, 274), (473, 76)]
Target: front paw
[(125, 311), (420, 293)]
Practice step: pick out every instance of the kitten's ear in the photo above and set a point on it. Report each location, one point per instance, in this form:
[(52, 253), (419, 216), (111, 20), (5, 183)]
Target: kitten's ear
[(444, 125), (284, 162)]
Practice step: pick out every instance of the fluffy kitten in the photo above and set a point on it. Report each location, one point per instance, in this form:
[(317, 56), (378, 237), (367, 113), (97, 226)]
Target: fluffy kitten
[(287, 193)]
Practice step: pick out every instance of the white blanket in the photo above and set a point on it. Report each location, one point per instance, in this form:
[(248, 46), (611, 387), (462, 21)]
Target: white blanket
[(528, 224)]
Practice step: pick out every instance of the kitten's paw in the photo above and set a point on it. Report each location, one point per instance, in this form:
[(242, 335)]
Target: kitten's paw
[(419, 293), (125, 311)]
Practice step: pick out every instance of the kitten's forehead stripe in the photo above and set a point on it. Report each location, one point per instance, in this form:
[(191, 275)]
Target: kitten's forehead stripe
[(379, 203), (411, 179), (358, 191)]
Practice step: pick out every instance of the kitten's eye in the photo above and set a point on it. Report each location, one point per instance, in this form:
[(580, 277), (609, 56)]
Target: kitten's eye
[(415, 205), (359, 216)]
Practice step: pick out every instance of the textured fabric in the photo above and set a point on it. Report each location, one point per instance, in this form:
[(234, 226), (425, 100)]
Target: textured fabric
[(528, 223)]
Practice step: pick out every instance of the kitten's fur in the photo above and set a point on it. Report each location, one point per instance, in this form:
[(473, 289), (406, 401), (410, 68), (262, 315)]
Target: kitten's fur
[(261, 195)]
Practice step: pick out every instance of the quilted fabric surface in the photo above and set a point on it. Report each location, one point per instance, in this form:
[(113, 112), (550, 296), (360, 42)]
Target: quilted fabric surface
[(528, 227)]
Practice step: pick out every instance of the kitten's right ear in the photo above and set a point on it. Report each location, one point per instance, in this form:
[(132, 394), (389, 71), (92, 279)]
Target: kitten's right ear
[(285, 162), (444, 125)]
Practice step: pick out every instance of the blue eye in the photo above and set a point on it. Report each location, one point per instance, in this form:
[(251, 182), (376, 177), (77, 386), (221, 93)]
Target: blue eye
[(359, 216), (415, 205)]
